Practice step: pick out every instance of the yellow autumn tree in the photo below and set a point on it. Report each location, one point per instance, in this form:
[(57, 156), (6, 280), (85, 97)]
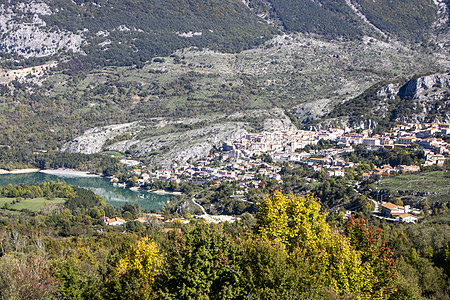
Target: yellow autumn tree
[(295, 221), (331, 260), (137, 270)]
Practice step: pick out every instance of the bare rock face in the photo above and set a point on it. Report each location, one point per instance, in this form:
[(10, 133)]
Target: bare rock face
[(29, 36), (312, 110), (165, 147), (277, 120), (274, 124), (418, 88), (440, 30), (176, 148), (388, 91), (92, 140), (427, 94), (421, 99)]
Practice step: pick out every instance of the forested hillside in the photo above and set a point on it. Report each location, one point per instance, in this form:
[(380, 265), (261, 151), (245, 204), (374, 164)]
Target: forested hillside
[(329, 18), (133, 31), (68, 252), (405, 20)]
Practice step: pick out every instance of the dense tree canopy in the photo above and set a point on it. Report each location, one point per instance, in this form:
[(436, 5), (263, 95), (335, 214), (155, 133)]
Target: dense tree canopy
[(293, 252), (341, 264)]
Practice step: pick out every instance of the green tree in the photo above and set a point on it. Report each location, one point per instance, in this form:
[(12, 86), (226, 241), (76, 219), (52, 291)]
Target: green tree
[(202, 263), (127, 215), (398, 201), (338, 264), (77, 275)]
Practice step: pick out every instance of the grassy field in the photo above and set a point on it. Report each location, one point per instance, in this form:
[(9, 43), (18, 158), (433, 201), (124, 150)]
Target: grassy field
[(433, 182), (32, 204)]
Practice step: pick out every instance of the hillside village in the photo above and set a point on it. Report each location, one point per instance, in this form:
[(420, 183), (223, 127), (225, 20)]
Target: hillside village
[(252, 157), (192, 109), (261, 156)]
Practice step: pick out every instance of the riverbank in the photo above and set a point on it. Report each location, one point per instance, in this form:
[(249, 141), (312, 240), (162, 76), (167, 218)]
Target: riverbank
[(69, 173), (57, 172), (163, 192), (19, 171)]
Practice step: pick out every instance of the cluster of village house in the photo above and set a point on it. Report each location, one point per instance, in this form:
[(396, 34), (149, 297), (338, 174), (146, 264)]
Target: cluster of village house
[(399, 213), (392, 212), (236, 163)]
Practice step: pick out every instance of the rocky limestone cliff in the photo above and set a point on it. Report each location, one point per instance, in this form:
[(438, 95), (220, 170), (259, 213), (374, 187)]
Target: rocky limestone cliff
[(176, 148), (272, 119), (388, 91), (25, 33), (427, 98), (440, 32), (312, 110), (421, 99), (92, 140), (420, 87)]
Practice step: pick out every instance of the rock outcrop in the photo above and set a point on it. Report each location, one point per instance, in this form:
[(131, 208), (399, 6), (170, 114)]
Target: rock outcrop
[(421, 99), (176, 148), (388, 91), (418, 87), (92, 140), (29, 36)]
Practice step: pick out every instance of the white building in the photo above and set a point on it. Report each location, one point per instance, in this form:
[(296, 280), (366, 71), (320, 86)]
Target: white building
[(115, 222)]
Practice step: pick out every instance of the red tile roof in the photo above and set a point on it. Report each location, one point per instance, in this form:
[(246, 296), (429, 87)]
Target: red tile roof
[(390, 205)]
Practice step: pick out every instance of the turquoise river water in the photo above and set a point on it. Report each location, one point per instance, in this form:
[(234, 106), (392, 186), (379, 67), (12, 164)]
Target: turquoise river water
[(115, 196)]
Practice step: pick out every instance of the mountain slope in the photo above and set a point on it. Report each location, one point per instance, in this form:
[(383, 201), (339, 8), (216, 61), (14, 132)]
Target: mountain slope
[(330, 18), (409, 21), (423, 99), (115, 32), (125, 32), (136, 61)]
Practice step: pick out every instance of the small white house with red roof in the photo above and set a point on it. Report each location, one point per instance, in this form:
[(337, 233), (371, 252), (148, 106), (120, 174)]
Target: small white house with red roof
[(115, 222)]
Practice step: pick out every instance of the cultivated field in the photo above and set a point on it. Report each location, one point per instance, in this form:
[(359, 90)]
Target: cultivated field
[(433, 185), (35, 204)]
